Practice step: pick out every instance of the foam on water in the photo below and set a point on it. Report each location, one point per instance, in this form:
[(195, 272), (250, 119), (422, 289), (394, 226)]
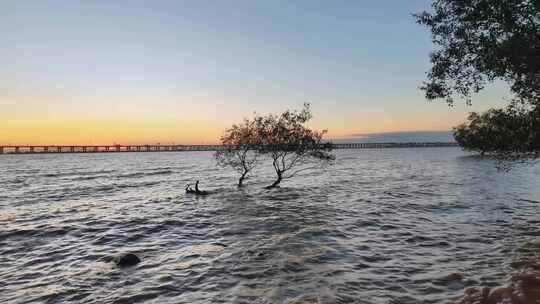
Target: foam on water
[(380, 226)]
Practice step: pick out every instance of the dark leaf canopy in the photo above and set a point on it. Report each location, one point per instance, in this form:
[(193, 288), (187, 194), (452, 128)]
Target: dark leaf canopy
[(512, 131), (479, 41)]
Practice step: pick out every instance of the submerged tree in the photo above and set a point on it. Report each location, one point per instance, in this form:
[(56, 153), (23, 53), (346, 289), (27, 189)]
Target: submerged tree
[(240, 149), (291, 146), (478, 42)]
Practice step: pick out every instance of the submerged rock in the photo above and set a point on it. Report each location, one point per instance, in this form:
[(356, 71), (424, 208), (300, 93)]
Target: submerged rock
[(127, 260), (524, 288)]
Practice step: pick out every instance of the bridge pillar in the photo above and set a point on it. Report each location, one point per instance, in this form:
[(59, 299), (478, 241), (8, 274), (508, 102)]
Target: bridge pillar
[(1, 150), (72, 149), (31, 149), (17, 150)]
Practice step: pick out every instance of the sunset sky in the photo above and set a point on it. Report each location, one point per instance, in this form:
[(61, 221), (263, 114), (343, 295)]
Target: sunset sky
[(102, 72)]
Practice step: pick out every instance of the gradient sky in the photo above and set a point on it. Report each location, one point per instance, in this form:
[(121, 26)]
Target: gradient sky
[(77, 72)]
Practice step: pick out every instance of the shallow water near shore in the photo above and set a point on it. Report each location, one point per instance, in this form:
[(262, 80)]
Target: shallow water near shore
[(379, 226)]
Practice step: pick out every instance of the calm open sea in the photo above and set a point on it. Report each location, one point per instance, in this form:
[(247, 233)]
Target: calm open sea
[(379, 226)]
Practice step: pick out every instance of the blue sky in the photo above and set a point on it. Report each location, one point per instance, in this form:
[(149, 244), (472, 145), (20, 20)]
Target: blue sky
[(184, 70)]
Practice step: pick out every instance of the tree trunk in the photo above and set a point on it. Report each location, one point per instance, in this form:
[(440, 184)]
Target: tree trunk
[(275, 183), (241, 180)]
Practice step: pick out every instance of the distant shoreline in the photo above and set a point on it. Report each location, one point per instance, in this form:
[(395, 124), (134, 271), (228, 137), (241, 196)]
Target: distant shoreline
[(59, 149)]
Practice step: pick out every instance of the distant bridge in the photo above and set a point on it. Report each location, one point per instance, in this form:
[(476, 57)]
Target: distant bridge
[(31, 149)]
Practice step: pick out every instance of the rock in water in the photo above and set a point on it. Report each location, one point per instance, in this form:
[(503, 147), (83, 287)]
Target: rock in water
[(126, 260), (524, 289)]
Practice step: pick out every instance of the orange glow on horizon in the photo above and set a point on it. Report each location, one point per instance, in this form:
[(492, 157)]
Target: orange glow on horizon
[(55, 121), (102, 132), (108, 131)]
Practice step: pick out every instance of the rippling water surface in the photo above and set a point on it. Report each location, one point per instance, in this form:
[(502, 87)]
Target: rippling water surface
[(380, 226)]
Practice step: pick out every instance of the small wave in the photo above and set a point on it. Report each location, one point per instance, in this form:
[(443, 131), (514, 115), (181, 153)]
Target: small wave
[(138, 298), (57, 174), (16, 181), (76, 172), (142, 174), (398, 194), (425, 193), (91, 177), (528, 201), (137, 185), (42, 232)]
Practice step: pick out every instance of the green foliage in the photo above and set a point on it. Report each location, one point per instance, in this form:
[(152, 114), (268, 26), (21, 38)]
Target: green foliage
[(480, 41), (508, 133), (240, 149), (290, 145)]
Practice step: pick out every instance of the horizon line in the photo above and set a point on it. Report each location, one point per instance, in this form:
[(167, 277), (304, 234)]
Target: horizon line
[(216, 142)]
